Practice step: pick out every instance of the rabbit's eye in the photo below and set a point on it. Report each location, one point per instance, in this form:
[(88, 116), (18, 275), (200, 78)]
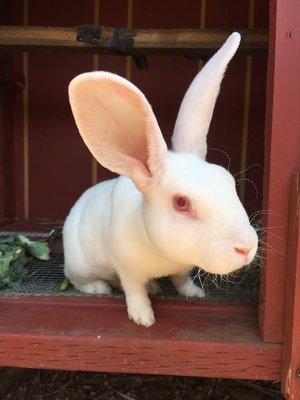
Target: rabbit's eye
[(181, 203)]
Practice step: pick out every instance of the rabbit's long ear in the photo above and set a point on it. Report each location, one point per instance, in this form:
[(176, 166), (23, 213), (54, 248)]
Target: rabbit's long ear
[(118, 126), (197, 107)]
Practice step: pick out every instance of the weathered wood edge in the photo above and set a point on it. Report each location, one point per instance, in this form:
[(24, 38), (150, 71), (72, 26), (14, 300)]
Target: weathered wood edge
[(145, 41), (291, 344), (71, 335)]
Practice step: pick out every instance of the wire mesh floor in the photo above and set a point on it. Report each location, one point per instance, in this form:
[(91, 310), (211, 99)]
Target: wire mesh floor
[(44, 277)]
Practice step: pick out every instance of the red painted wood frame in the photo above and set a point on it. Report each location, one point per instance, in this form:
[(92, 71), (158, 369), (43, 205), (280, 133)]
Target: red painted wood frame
[(282, 157), (200, 339), (237, 127), (197, 339), (291, 345)]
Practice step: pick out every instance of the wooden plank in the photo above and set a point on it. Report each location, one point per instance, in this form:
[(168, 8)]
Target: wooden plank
[(113, 14), (257, 106), (175, 80), (291, 343), (18, 115), (6, 139), (7, 87), (145, 40), (33, 227), (281, 157), (56, 151), (96, 335), (225, 135), (59, 163)]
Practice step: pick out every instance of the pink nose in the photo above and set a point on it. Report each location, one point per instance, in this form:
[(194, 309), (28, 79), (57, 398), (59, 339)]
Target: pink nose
[(243, 251)]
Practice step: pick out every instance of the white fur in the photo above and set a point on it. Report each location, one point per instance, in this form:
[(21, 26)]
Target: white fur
[(127, 228), (200, 99)]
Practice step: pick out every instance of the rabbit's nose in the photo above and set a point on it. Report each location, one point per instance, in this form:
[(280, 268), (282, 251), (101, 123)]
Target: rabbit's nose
[(243, 251)]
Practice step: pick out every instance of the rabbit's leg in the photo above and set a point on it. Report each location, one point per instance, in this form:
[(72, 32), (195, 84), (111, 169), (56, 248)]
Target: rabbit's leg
[(84, 276), (138, 303), (97, 286), (153, 287), (186, 287)]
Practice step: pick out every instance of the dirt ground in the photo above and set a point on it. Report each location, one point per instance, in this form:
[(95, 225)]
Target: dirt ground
[(60, 385)]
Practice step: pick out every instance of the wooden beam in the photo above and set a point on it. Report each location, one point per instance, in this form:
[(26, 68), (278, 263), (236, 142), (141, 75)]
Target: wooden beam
[(291, 342), (145, 41), (95, 334), (282, 144)]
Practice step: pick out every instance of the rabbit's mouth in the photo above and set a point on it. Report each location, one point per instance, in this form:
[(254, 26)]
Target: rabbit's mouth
[(226, 268)]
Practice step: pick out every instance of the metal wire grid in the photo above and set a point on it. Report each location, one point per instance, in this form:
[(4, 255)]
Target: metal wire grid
[(44, 277)]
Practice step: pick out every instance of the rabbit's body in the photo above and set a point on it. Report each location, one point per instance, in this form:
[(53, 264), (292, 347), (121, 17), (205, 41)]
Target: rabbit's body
[(102, 215), (105, 239), (86, 239), (169, 210)]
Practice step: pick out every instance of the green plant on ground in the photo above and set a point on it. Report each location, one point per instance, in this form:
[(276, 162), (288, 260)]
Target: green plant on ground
[(16, 251)]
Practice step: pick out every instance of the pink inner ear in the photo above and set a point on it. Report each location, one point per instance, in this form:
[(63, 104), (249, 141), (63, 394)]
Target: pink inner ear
[(117, 124), (122, 131), (128, 124)]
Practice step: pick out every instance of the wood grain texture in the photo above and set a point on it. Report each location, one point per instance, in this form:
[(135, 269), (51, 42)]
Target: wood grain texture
[(170, 41), (7, 82), (59, 163), (114, 14), (281, 156), (168, 77), (225, 134), (7, 87), (256, 131), (17, 130), (96, 335), (291, 343), (59, 155)]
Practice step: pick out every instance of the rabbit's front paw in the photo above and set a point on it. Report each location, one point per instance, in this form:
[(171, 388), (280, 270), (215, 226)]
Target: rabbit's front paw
[(141, 314)]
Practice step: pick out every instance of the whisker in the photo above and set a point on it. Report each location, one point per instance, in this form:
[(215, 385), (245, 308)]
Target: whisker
[(272, 248), (251, 166), (225, 154), (273, 234), (255, 187), (272, 227), (263, 212), (199, 278), (197, 275), (226, 279), (189, 288)]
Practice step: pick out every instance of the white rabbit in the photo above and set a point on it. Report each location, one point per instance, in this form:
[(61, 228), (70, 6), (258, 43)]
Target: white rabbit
[(169, 210)]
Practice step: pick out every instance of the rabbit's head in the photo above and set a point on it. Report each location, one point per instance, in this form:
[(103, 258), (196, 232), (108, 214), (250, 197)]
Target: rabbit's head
[(192, 213)]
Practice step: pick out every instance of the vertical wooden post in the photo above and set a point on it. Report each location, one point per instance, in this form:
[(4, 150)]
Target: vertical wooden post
[(95, 68), (25, 120), (246, 113), (291, 353), (281, 157)]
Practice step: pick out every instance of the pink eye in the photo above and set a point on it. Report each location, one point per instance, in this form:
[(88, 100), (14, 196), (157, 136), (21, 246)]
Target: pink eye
[(181, 203)]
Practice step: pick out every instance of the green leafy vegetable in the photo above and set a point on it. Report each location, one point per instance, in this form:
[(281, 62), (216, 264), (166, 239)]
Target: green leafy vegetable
[(16, 251), (39, 250), (64, 285)]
